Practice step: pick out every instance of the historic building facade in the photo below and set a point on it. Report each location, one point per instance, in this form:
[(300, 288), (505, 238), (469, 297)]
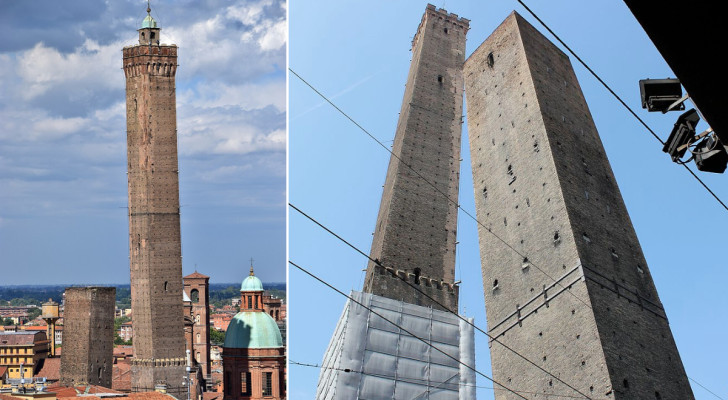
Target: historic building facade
[(253, 355)]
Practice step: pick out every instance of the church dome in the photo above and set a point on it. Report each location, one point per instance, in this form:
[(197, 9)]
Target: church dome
[(149, 22), (251, 283), (253, 330)]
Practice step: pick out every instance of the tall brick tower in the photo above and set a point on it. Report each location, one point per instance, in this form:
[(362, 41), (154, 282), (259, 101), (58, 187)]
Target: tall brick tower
[(88, 336), (196, 286), (574, 293), (416, 227), (154, 227)]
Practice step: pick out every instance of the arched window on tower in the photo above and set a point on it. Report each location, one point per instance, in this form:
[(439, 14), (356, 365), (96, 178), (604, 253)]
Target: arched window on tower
[(195, 296), (198, 339), (197, 318), (250, 301)]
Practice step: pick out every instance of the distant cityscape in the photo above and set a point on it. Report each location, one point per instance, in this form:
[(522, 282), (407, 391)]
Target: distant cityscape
[(21, 315)]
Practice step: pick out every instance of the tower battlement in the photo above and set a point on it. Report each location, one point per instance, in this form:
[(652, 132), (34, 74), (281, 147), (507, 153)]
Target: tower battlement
[(424, 281), (449, 20), (150, 60)]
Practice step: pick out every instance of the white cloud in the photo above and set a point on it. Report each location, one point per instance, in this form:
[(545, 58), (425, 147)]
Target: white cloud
[(248, 96), (90, 67), (228, 54), (223, 131), (274, 37)]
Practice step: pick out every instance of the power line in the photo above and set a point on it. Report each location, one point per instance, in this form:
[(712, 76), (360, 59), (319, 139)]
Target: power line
[(708, 390), (433, 185), (427, 382), (420, 380), (405, 330), (616, 96), (495, 339)]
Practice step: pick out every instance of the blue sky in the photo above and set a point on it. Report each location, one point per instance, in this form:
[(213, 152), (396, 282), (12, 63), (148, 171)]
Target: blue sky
[(63, 187), (358, 55)]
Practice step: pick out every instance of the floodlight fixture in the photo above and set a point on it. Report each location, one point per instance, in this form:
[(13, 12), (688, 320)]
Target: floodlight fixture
[(662, 95), (681, 134), (710, 155)]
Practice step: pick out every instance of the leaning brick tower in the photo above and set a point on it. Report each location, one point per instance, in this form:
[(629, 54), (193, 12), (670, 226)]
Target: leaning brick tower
[(417, 222), (154, 220), (571, 289)]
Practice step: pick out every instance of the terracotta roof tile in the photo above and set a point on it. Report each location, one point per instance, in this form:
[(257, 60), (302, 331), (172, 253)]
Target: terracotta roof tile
[(74, 391), (196, 275), (121, 376), (150, 396), (212, 396), (20, 338), (50, 368)]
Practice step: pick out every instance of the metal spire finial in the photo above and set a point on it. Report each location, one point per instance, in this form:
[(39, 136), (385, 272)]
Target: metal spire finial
[(251, 266), (149, 9)]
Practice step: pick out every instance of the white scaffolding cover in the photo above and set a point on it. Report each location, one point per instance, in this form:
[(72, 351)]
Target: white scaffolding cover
[(369, 358)]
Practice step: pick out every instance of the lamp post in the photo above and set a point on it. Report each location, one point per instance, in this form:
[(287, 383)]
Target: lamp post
[(187, 380)]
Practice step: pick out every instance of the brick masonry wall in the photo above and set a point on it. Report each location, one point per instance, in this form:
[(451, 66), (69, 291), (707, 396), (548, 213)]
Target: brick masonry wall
[(416, 227), (544, 185), (201, 308), (88, 337), (154, 221)]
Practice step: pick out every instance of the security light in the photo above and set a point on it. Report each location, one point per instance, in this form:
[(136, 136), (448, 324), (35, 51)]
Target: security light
[(681, 134), (661, 95), (710, 155)]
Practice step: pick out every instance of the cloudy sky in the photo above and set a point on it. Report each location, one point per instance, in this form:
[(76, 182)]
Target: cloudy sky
[(63, 189)]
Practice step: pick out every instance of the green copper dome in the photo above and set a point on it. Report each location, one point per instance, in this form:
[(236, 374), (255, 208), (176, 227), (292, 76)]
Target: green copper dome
[(251, 283), (149, 22), (253, 330)]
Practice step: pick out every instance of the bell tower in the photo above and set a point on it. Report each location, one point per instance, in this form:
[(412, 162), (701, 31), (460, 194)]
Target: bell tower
[(149, 32), (155, 254)]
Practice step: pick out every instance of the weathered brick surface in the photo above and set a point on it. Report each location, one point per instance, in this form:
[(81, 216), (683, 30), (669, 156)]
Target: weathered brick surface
[(88, 336), (154, 221), (543, 184), (416, 227)]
